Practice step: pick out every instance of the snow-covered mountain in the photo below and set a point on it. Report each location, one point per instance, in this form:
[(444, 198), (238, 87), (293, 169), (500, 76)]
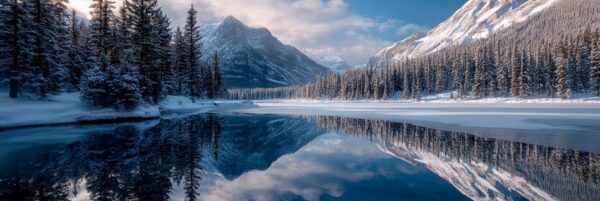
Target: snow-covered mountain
[(253, 57), (476, 19), (334, 63)]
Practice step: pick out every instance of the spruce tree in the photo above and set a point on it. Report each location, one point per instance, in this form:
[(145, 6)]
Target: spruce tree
[(94, 90), (48, 26), (122, 33), (142, 15), (595, 70), (562, 85), (76, 61), (406, 84), (515, 73), (181, 71), (165, 53), (126, 90), (192, 43), (524, 77), (218, 85), (101, 26), (478, 78), (15, 48)]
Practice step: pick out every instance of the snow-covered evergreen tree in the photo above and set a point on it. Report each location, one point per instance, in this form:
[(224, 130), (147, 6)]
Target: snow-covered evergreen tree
[(192, 38), (95, 90), (165, 53), (180, 56), (595, 70), (16, 49), (101, 26), (142, 15), (524, 77), (48, 26), (126, 90), (75, 64), (515, 73)]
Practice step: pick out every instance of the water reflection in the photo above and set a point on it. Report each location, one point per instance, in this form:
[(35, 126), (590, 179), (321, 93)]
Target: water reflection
[(269, 157)]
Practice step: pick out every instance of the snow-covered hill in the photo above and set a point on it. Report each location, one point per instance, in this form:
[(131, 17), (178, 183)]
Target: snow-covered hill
[(334, 63), (477, 19), (253, 57)]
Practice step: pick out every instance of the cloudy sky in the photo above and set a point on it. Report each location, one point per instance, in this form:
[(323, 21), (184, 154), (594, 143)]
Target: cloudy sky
[(352, 29)]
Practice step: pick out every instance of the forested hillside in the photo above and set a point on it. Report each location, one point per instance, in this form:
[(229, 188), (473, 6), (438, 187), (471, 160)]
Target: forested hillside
[(555, 53)]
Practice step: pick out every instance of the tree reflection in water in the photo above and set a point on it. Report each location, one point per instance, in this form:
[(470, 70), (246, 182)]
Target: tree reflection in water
[(135, 163)]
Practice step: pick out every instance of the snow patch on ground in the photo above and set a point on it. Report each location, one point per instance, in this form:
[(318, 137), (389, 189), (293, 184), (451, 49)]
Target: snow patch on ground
[(66, 108)]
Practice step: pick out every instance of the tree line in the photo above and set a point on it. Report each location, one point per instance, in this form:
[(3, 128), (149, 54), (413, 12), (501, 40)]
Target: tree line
[(116, 60), (491, 68)]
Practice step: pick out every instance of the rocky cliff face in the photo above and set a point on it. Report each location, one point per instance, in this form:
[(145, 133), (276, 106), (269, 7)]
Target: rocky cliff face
[(253, 57)]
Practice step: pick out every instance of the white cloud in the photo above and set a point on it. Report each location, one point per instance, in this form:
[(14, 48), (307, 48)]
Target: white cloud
[(316, 27), (410, 28)]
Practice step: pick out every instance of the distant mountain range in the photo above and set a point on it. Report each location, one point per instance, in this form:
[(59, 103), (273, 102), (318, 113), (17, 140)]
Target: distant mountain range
[(335, 63), (253, 57), (477, 19)]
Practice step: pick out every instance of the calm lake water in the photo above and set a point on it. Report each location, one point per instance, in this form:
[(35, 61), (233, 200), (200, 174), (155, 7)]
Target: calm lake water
[(272, 157)]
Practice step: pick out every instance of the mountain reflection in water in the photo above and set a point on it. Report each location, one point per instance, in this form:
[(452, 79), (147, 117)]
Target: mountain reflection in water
[(271, 157)]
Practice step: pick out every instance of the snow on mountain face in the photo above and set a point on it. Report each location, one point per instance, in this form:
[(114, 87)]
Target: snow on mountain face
[(477, 19), (253, 57), (334, 63)]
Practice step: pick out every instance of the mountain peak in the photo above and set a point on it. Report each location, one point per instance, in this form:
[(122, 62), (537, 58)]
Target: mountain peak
[(253, 57), (476, 19), (230, 20)]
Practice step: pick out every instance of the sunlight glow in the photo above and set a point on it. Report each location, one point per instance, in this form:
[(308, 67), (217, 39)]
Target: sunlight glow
[(81, 6)]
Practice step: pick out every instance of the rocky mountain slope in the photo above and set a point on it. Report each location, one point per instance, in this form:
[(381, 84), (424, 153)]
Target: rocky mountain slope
[(253, 57), (477, 19)]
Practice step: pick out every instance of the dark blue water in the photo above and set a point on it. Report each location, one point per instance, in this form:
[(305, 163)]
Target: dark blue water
[(270, 157)]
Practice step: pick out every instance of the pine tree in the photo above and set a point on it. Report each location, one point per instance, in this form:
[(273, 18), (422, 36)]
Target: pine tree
[(563, 87), (75, 62), (142, 15), (550, 78), (192, 43), (478, 81), (218, 85), (524, 77), (48, 26), (127, 92), (595, 70), (180, 62), (165, 53), (406, 84), (459, 81), (582, 66), (502, 74), (515, 73), (122, 33), (101, 26), (417, 87), (94, 90), (15, 48)]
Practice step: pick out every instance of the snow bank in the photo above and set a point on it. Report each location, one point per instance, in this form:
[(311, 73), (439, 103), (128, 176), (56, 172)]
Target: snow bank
[(66, 108), (446, 98)]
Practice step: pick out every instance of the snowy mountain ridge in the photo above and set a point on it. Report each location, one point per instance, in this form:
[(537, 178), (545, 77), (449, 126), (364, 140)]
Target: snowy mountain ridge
[(477, 19), (253, 57), (334, 63)]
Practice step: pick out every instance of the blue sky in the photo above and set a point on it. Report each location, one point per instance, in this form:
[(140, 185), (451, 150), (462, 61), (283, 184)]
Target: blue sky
[(425, 13), (351, 29)]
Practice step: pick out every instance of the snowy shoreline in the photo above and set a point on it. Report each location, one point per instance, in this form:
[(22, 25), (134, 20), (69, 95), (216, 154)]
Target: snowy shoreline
[(66, 109), (444, 98)]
